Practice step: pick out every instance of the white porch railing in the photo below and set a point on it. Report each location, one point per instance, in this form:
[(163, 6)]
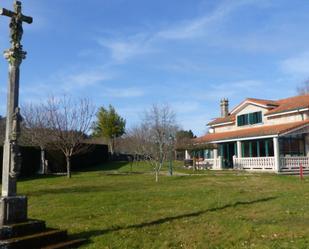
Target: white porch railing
[(254, 163), (293, 163), (212, 163)]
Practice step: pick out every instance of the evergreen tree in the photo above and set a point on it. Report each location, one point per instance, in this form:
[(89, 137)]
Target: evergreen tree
[(109, 125)]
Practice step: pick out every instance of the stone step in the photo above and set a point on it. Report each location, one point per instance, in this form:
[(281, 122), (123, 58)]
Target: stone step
[(21, 229), (67, 244), (35, 241)]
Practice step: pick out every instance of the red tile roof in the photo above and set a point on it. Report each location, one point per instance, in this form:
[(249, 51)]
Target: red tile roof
[(252, 132), (290, 104), (230, 118), (266, 102)]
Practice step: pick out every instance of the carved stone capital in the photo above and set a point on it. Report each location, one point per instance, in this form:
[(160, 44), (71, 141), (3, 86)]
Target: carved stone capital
[(15, 56)]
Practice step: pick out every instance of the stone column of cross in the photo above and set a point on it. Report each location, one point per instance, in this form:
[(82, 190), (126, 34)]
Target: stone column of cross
[(11, 155), (14, 55)]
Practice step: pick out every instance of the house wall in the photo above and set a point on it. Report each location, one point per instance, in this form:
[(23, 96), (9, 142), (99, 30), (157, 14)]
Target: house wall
[(294, 117), (286, 118), (224, 128)]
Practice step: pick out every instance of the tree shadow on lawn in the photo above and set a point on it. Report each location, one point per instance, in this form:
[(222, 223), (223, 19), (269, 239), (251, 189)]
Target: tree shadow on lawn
[(124, 173), (104, 166), (95, 233), (108, 166), (70, 190), (38, 177)]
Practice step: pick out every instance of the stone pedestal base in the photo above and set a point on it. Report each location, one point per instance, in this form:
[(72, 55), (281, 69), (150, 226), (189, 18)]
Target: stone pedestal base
[(33, 234), (13, 209)]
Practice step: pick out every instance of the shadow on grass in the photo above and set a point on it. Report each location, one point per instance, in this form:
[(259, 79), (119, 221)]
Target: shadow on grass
[(95, 233), (69, 190), (125, 173), (37, 177), (108, 166), (105, 166)]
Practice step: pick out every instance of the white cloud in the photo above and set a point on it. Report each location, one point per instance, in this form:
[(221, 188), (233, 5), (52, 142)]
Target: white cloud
[(124, 92), (297, 65), (229, 89), (83, 79), (196, 27), (65, 82), (183, 65), (121, 50), (142, 43), (183, 107)]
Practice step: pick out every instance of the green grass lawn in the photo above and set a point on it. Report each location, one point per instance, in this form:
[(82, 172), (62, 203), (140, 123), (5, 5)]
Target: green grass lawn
[(117, 209)]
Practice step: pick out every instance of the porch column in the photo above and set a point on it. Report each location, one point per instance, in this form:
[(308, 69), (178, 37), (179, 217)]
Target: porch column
[(276, 154), (187, 155), (215, 153), (239, 154), (216, 162)]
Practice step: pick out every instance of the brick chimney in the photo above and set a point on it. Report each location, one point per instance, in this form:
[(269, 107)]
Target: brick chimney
[(224, 104)]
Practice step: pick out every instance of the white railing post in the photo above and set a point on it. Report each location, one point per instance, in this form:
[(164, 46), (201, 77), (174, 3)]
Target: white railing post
[(276, 154)]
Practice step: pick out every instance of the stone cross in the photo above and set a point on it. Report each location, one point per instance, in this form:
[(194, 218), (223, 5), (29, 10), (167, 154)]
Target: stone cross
[(13, 208)]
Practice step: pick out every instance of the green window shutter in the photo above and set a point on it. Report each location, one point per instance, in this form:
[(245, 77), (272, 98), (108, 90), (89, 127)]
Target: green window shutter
[(258, 148), (266, 148), (221, 150), (255, 118), (235, 149), (259, 117), (240, 120), (251, 118), (245, 119), (227, 151), (250, 149)]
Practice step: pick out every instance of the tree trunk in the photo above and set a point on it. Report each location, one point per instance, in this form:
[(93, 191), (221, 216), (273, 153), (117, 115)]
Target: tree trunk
[(194, 164), (68, 159), (157, 176), (42, 162), (111, 147)]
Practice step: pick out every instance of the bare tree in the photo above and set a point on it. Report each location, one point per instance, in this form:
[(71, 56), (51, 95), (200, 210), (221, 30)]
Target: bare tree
[(151, 138), (36, 130), (70, 121), (304, 88)]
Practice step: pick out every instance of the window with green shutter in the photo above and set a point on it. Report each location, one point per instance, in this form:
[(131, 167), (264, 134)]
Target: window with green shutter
[(249, 118)]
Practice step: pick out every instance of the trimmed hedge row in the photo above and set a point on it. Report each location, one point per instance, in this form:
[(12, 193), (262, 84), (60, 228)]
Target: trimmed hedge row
[(56, 161)]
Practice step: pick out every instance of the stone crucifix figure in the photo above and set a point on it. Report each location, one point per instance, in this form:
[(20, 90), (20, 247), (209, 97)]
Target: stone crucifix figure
[(13, 208)]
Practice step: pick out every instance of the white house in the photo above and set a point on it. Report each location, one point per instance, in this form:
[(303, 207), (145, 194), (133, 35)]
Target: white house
[(259, 135)]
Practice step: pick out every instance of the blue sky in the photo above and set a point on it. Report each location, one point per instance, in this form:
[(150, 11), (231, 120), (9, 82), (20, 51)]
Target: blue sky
[(189, 54)]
